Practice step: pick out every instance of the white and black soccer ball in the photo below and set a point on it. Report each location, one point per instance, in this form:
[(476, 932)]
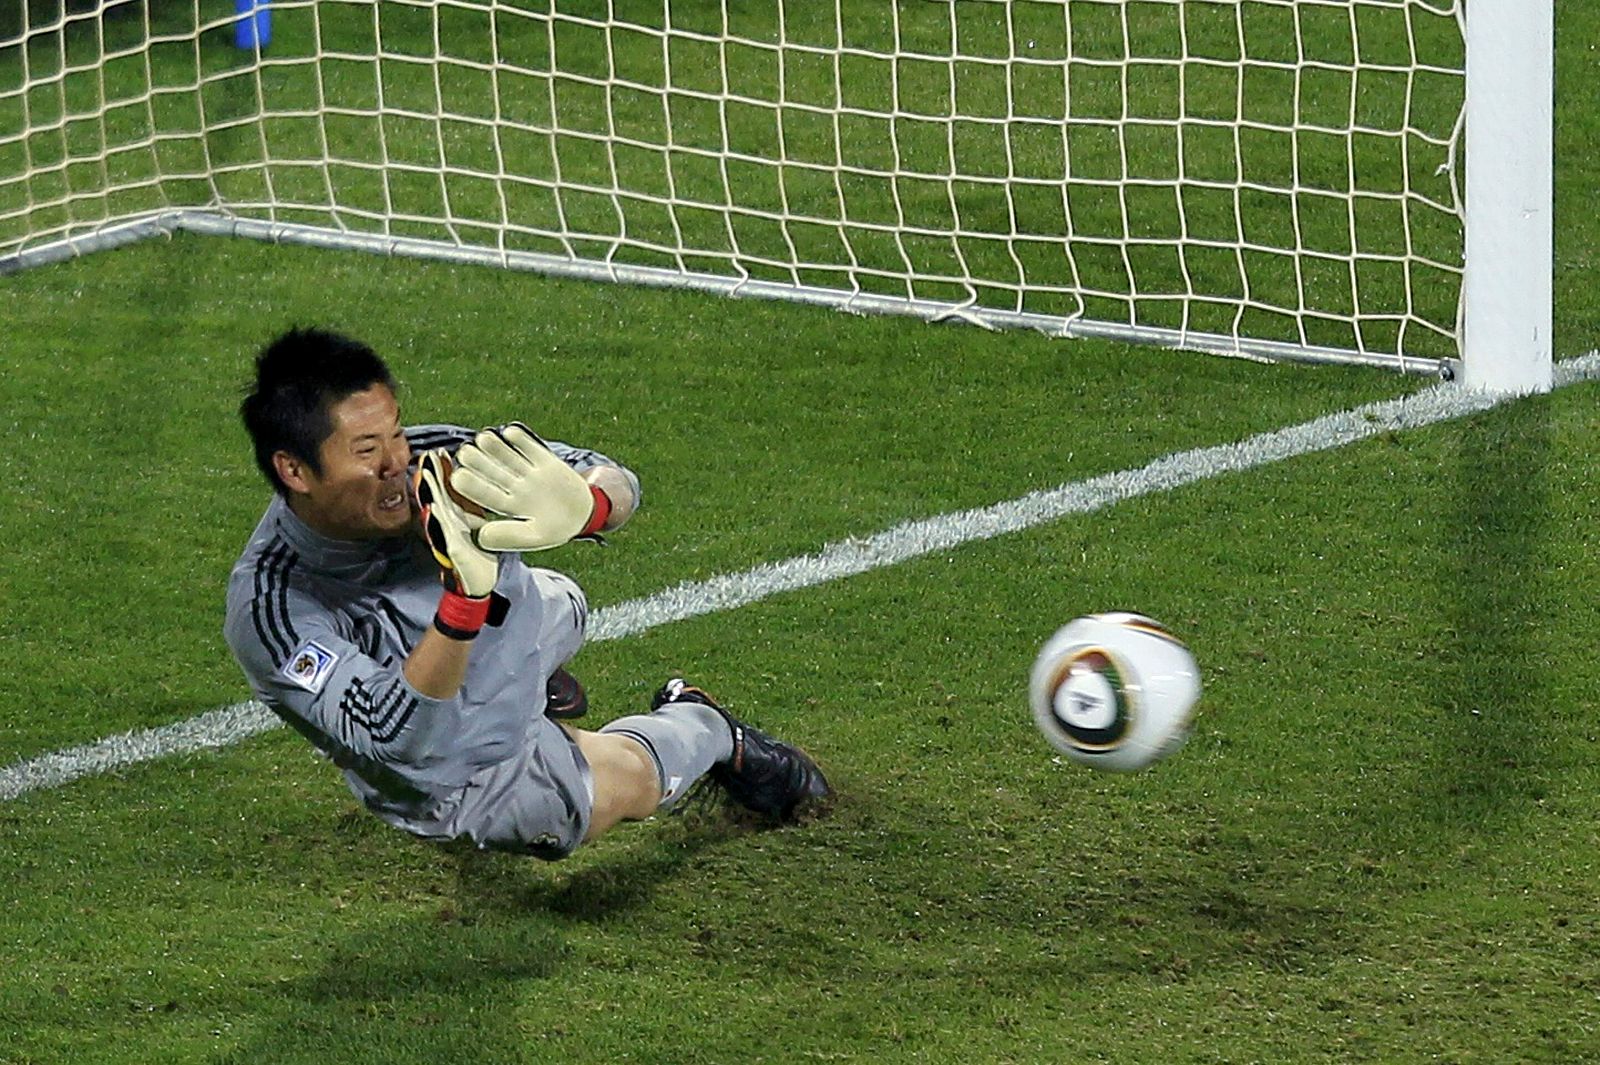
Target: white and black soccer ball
[(1115, 691)]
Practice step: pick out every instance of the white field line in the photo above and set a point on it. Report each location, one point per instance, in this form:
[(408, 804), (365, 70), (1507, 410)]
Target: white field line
[(231, 724)]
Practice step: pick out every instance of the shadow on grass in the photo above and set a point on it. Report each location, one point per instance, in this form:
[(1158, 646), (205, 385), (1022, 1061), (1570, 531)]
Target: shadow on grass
[(430, 988), (602, 888), (1490, 687), (441, 985)]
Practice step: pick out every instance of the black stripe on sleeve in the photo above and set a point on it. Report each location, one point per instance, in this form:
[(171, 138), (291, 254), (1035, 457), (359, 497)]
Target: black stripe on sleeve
[(289, 562), (269, 608), (383, 721), (391, 714), (262, 637)]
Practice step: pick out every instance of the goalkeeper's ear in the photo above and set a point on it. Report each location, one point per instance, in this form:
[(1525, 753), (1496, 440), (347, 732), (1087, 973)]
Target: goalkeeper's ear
[(291, 471), (619, 490)]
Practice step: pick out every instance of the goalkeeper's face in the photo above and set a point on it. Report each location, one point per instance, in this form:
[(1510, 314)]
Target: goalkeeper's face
[(363, 491)]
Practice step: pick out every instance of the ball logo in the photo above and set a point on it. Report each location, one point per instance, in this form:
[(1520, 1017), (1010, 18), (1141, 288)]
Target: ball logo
[(1089, 701), (1086, 700)]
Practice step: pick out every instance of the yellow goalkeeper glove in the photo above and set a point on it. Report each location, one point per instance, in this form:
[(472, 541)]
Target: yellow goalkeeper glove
[(465, 567), (544, 502)]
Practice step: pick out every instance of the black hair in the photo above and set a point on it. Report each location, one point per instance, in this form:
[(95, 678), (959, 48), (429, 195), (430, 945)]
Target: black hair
[(299, 378)]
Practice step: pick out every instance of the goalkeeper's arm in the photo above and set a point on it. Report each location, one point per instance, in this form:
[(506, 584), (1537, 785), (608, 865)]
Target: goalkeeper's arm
[(437, 665), (621, 489)]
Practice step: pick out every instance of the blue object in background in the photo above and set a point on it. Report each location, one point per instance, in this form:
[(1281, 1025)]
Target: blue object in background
[(254, 28)]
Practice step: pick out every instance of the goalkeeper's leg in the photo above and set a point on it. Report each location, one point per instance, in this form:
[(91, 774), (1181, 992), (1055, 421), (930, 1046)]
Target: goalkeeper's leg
[(686, 736), (646, 762)]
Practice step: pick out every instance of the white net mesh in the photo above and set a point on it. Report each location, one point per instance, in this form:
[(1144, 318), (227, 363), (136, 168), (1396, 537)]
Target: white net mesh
[(1247, 175)]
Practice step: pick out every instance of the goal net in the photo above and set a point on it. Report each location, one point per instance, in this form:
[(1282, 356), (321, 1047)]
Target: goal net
[(1273, 178)]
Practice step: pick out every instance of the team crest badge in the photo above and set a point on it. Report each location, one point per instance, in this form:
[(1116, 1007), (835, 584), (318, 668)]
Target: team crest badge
[(310, 665)]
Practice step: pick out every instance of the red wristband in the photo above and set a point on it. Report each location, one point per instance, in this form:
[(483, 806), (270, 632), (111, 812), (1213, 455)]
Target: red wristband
[(459, 616), (602, 511)]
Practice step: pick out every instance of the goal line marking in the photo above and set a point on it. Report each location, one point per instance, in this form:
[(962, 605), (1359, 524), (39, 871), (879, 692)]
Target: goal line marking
[(228, 725)]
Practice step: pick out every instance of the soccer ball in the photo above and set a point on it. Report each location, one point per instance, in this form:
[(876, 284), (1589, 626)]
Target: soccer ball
[(1115, 691)]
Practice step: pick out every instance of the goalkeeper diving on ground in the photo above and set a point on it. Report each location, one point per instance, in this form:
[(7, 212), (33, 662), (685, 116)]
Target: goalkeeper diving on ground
[(382, 608)]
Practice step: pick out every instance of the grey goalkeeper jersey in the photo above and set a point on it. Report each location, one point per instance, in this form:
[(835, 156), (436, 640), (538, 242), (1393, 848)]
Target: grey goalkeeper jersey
[(323, 627)]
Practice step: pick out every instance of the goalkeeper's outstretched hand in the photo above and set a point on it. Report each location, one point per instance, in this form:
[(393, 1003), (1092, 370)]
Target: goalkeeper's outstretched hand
[(544, 501), (465, 568)]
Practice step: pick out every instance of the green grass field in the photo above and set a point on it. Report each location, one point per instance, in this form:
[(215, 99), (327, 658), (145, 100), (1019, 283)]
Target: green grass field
[(1379, 845)]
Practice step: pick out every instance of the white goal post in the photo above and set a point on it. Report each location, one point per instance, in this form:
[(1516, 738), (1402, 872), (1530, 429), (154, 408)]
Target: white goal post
[(1507, 294), (1363, 181)]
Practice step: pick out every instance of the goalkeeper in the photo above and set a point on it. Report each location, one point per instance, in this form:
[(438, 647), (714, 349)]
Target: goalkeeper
[(449, 708)]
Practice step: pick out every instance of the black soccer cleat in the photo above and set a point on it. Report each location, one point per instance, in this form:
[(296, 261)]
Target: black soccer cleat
[(564, 698), (765, 775)]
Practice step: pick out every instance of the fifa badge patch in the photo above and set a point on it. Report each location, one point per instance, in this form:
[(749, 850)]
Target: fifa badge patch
[(310, 666)]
